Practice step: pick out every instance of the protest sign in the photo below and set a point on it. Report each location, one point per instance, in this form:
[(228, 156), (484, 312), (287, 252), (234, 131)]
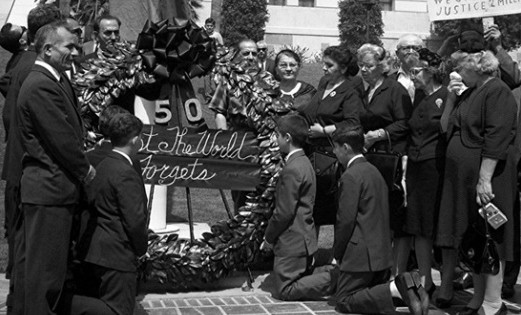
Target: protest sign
[(440, 10)]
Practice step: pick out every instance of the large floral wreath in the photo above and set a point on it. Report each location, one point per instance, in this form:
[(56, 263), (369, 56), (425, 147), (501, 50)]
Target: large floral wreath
[(234, 243)]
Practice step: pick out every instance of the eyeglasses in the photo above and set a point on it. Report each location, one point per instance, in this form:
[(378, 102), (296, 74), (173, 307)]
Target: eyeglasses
[(246, 53), (262, 49), (410, 47), (366, 66), (416, 70), (286, 65)]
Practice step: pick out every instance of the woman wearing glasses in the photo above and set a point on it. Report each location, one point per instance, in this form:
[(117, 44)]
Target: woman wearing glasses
[(293, 93), (334, 103), (480, 167), (426, 157), (388, 107)]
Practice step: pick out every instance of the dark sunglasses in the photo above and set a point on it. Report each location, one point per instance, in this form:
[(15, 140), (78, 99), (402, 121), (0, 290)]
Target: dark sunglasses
[(262, 49), (109, 32), (247, 53), (410, 47)]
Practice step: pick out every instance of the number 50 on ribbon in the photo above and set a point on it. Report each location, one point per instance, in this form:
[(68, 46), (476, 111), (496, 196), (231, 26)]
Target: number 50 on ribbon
[(192, 110)]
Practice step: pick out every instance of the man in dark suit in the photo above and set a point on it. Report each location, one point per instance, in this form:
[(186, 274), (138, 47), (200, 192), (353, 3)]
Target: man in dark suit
[(362, 246), (54, 167), (291, 231), (265, 63), (117, 232), (12, 167), (13, 38)]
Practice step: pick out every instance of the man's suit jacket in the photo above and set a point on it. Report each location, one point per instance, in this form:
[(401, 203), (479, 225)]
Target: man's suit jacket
[(117, 233), (54, 164), (291, 228), (12, 168), (362, 230), (270, 66)]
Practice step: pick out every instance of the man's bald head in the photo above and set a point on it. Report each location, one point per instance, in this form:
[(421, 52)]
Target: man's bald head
[(248, 50), (407, 50)]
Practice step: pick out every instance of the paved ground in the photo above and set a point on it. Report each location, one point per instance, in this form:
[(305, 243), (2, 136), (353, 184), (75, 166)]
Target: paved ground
[(228, 297)]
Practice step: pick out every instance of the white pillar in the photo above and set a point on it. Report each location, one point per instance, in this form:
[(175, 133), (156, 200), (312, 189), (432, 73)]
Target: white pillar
[(146, 111)]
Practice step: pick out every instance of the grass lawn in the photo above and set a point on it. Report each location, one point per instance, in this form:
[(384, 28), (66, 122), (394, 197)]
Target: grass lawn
[(207, 203)]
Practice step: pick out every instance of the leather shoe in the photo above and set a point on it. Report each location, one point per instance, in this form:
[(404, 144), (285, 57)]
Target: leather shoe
[(468, 311), (443, 303), (412, 292)]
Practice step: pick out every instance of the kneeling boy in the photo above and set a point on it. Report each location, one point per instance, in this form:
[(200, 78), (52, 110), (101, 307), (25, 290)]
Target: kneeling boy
[(362, 244), (291, 230), (117, 232)]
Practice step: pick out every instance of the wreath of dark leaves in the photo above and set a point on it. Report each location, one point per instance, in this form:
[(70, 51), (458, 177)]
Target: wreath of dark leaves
[(232, 244)]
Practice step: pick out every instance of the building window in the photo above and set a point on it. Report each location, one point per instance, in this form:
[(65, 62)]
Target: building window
[(387, 5), (277, 2), (306, 3)]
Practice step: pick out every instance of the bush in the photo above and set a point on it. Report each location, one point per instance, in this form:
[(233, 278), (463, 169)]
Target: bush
[(354, 22), (243, 19)]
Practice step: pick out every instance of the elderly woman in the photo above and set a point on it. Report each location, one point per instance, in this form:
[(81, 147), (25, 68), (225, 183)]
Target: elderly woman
[(426, 156), (334, 103), (293, 93), (479, 169), (388, 108)]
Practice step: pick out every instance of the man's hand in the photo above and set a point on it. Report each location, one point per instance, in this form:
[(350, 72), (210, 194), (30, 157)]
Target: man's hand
[(90, 175), (265, 246)]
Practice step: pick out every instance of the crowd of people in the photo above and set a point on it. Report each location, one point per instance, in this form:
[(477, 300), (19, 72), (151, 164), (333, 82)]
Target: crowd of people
[(76, 221)]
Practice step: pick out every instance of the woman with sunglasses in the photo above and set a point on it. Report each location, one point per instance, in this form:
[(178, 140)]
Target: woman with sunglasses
[(335, 102), (426, 157), (480, 168), (293, 93), (388, 107)]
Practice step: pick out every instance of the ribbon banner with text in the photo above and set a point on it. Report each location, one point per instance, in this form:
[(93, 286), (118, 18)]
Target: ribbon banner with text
[(178, 156), (440, 10)]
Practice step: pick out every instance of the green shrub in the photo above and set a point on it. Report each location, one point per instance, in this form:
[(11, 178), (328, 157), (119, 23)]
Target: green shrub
[(354, 21), (243, 19)]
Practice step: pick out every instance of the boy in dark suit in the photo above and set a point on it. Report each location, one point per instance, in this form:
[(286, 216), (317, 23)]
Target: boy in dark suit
[(291, 230), (117, 233), (362, 244)]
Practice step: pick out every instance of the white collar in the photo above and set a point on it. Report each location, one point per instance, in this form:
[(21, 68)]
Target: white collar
[(124, 154), (402, 72), (353, 159), (293, 91), (47, 66), (291, 153)]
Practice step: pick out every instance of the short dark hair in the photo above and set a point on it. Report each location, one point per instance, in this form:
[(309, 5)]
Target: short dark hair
[(289, 53), (105, 117), (10, 38), (48, 31), (209, 21), (40, 16), (296, 126), (344, 58), (436, 66), (352, 134), (97, 22), (124, 127)]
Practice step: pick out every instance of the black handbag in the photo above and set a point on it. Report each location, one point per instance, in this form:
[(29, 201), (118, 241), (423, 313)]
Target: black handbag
[(327, 170), (478, 252), (388, 163)]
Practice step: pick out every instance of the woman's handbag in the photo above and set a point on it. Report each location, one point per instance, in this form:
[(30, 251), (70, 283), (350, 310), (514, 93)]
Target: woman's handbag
[(389, 164), (478, 252), (327, 170)]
